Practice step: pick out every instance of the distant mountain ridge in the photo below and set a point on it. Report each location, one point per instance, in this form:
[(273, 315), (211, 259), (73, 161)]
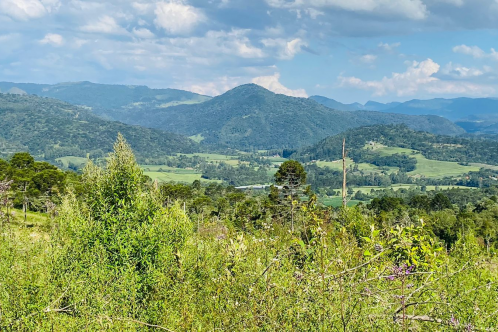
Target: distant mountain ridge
[(106, 99), (251, 117), (49, 129), (473, 114)]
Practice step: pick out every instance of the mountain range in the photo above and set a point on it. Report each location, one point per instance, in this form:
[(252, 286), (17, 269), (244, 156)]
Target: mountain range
[(247, 117), (251, 117), (106, 99), (479, 115)]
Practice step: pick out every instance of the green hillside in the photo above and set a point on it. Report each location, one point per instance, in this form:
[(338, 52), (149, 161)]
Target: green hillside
[(106, 99), (50, 129), (362, 143), (251, 117)]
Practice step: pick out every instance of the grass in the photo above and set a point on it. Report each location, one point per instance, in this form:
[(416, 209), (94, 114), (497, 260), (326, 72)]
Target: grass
[(426, 167), (437, 169), (336, 201), (78, 161), (163, 173), (197, 138)]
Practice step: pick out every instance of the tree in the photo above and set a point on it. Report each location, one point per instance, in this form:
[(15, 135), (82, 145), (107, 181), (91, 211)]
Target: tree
[(292, 177), (440, 202)]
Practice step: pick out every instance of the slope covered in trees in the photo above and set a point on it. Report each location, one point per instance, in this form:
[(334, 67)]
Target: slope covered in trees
[(50, 128), (250, 116), (105, 99), (435, 147)]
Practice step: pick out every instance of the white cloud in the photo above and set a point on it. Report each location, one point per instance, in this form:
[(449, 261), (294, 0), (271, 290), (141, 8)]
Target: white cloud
[(105, 24), (286, 49), (419, 77), (388, 47), (412, 9), (214, 88), (458, 71), (52, 39), (368, 58), (272, 83), (476, 52), (314, 13), (143, 33), (142, 8), (233, 43), (27, 9), (176, 17)]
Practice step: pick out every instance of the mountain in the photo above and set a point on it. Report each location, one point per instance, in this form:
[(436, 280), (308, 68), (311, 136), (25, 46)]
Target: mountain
[(250, 117), (436, 147), (334, 104), (104, 99), (375, 106), (49, 129), (453, 109), (475, 115)]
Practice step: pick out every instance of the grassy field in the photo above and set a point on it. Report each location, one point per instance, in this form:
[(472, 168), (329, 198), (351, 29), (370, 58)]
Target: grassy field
[(428, 168), (78, 161), (163, 173), (336, 201)]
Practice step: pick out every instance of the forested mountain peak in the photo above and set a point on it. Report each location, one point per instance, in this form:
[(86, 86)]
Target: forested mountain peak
[(251, 117)]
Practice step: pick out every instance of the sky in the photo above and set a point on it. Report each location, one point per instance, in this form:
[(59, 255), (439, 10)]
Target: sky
[(348, 50)]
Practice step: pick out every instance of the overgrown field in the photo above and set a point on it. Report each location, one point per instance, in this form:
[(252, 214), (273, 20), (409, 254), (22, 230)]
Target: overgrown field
[(118, 257)]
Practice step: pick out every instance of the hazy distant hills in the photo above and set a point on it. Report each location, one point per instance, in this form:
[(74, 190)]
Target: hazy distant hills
[(105, 99), (250, 116), (474, 115), (49, 128)]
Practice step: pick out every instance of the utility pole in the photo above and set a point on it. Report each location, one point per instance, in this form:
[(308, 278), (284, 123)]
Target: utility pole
[(344, 200)]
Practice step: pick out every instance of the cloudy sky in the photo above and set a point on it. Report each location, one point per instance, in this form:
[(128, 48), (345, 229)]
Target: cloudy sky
[(349, 50)]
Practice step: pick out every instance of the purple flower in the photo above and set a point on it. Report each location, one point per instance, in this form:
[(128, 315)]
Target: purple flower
[(454, 321), (391, 278)]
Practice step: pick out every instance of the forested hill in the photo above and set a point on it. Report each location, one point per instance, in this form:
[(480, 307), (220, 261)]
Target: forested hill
[(105, 99), (250, 116), (435, 147), (50, 128)]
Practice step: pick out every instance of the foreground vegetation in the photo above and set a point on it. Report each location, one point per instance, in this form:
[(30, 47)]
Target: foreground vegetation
[(126, 254)]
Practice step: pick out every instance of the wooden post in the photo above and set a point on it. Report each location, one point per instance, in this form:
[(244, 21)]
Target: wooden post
[(344, 200)]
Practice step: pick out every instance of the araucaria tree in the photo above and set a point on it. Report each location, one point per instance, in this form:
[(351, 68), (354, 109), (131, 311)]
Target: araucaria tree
[(291, 176)]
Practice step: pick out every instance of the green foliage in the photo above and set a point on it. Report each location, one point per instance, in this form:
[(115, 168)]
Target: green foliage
[(116, 259), (34, 183), (50, 129), (292, 173), (250, 117), (119, 230), (431, 146)]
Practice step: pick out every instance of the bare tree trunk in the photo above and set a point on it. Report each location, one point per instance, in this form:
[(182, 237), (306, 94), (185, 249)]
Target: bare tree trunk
[(344, 200)]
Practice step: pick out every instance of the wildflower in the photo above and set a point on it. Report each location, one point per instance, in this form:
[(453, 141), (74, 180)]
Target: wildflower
[(454, 321), (469, 327)]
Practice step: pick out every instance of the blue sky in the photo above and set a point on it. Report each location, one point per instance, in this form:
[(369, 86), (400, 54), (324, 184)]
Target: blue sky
[(349, 50)]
